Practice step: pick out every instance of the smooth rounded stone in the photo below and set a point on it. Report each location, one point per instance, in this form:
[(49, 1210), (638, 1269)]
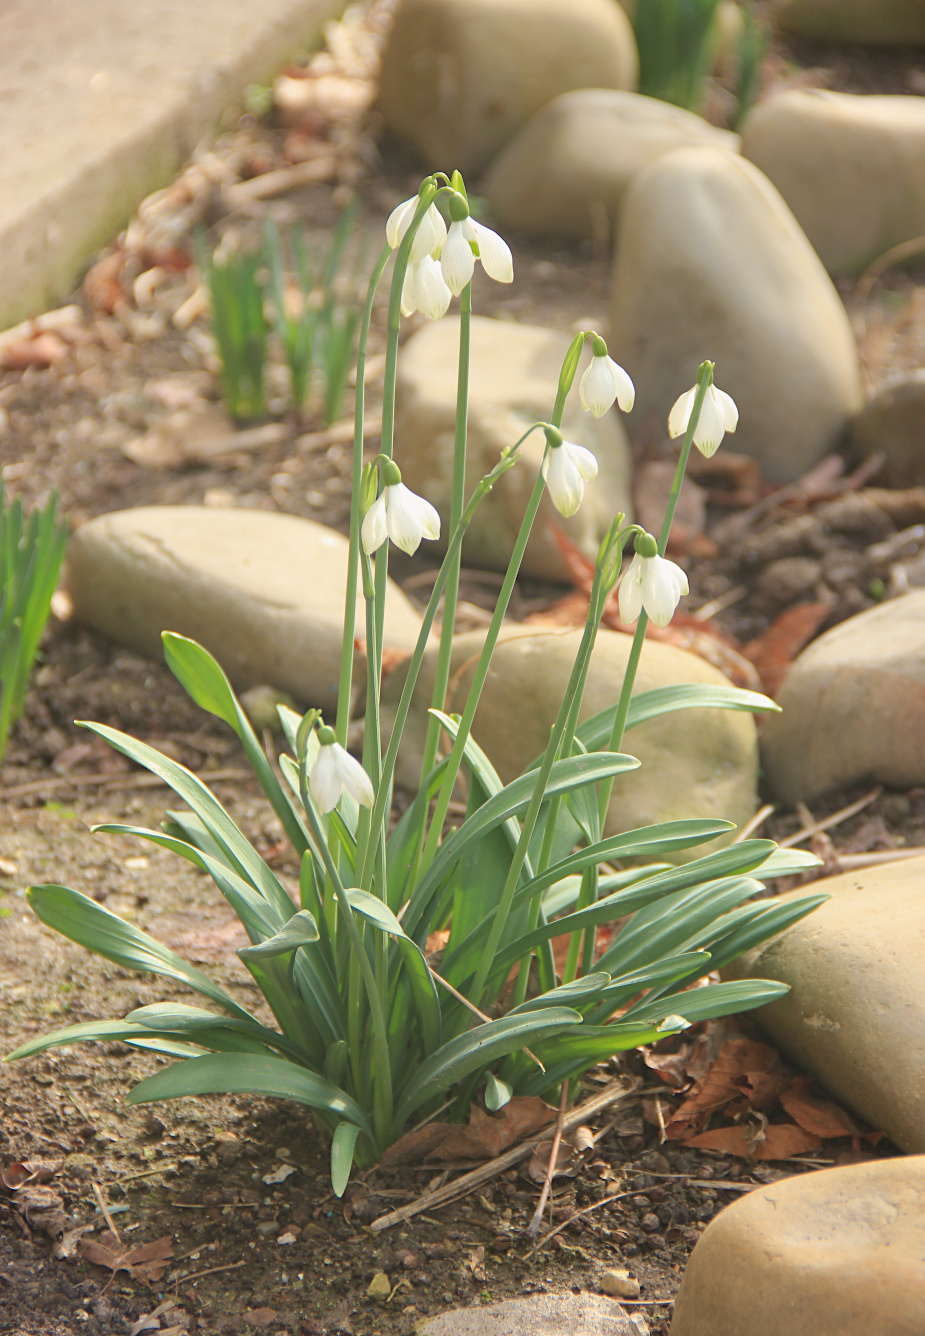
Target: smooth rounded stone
[(513, 375), (872, 22), (537, 1315), (566, 172), (460, 77), (853, 707), (712, 264), (850, 168), (840, 1251), (894, 421), (855, 1014), (264, 593), (695, 763)]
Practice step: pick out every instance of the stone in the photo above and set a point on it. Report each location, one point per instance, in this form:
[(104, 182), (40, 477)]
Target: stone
[(873, 22), (849, 168), (855, 1014), (379, 1288), (711, 263), (566, 172), (109, 111), (263, 592), (620, 1285), (893, 421), (537, 1315), (695, 763), (460, 77), (514, 372), (853, 707), (837, 1251)]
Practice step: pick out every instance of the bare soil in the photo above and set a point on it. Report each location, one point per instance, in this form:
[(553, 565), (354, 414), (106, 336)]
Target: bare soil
[(286, 1256)]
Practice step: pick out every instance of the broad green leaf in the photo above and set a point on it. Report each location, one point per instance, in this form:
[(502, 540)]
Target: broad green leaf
[(575, 1051), (595, 732), (82, 920), (343, 1143), (703, 1004), (497, 1093), (244, 1074), (179, 1017), (768, 918), (171, 842), (475, 1050), (300, 930), (787, 863), (374, 911), (216, 1037), (573, 994)]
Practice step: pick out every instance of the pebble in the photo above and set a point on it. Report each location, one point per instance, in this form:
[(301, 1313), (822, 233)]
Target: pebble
[(620, 1285), (893, 422), (379, 1288), (538, 1315)]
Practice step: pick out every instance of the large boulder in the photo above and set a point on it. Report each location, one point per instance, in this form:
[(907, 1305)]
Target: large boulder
[(696, 763), (849, 167), (711, 263), (873, 22), (537, 1315), (853, 706), (566, 172), (893, 422), (264, 593), (841, 1251), (460, 77), (855, 1013), (513, 375)]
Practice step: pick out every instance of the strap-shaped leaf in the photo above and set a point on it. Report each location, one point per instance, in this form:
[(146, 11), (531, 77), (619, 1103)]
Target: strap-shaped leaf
[(159, 837), (596, 731), (244, 1074), (703, 1004), (300, 930), (180, 1018), (343, 1144), (575, 1051), (787, 863), (573, 994), (497, 1092), (477, 1049), (82, 920), (204, 680), (217, 1037)]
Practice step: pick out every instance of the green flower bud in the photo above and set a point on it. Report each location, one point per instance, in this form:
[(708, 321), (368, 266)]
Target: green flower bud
[(458, 208), (598, 346), (646, 546), (554, 436), (326, 736), (391, 473)]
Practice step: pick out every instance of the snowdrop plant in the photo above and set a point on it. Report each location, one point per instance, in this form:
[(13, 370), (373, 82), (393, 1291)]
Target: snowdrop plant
[(371, 1029)]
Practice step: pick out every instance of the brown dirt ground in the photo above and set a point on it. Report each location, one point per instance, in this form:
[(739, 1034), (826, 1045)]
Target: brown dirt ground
[(195, 1171)]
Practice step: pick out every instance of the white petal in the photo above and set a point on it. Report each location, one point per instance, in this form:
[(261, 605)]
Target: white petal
[(680, 413), (410, 518), (584, 461), (711, 426), (409, 291), (439, 226), (494, 253), (730, 412), (663, 583), (625, 389), (352, 777), (563, 480), (425, 238), (324, 782), (456, 259), (431, 294), (629, 598), (596, 389), (398, 220), (375, 530)]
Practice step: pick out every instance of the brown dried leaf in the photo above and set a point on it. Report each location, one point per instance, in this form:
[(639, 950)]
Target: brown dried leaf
[(774, 650), (103, 284), (260, 1317), (42, 1208), (814, 1113), (733, 1074), (484, 1138), (40, 349), (778, 1141), (147, 1262)]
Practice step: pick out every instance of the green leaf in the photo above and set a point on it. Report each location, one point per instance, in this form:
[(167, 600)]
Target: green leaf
[(497, 1092), (703, 1004), (595, 732), (244, 1074), (573, 994), (342, 1147), (300, 930), (787, 863), (374, 911), (82, 920), (166, 841)]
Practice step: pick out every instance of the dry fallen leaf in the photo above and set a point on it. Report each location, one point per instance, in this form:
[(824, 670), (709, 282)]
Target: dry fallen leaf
[(42, 1208), (735, 1074), (774, 650), (484, 1138), (777, 1141), (260, 1317), (814, 1113), (147, 1262)]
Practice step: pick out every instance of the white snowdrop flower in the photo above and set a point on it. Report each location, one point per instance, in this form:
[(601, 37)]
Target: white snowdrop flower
[(428, 238), (424, 289), (566, 469), (651, 582), (717, 416), (398, 514), (457, 258), (605, 382), (335, 773)]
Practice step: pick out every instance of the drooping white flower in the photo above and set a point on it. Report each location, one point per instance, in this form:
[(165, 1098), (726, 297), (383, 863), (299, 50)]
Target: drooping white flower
[(335, 773), (401, 515), (653, 583), (604, 382), (467, 241), (430, 234), (717, 416), (457, 259), (566, 469), (424, 289)]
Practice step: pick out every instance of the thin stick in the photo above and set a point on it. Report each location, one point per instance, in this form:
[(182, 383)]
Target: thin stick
[(210, 1271), (595, 1206), (481, 1015), (105, 1209), (829, 821), (461, 1187), (534, 1226), (757, 820)]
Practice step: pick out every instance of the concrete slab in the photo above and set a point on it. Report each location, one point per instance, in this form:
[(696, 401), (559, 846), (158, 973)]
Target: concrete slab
[(101, 102)]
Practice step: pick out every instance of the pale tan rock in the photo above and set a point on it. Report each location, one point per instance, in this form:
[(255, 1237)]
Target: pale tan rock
[(893, 422), (460, 77), (873, 22), (696, 763), (566, 172), (850, 168), (853, 706), (712, 264), (841, 1251), (537, 1315), (620, 1285), (264, 593), (514, 372), (855, 1013)]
